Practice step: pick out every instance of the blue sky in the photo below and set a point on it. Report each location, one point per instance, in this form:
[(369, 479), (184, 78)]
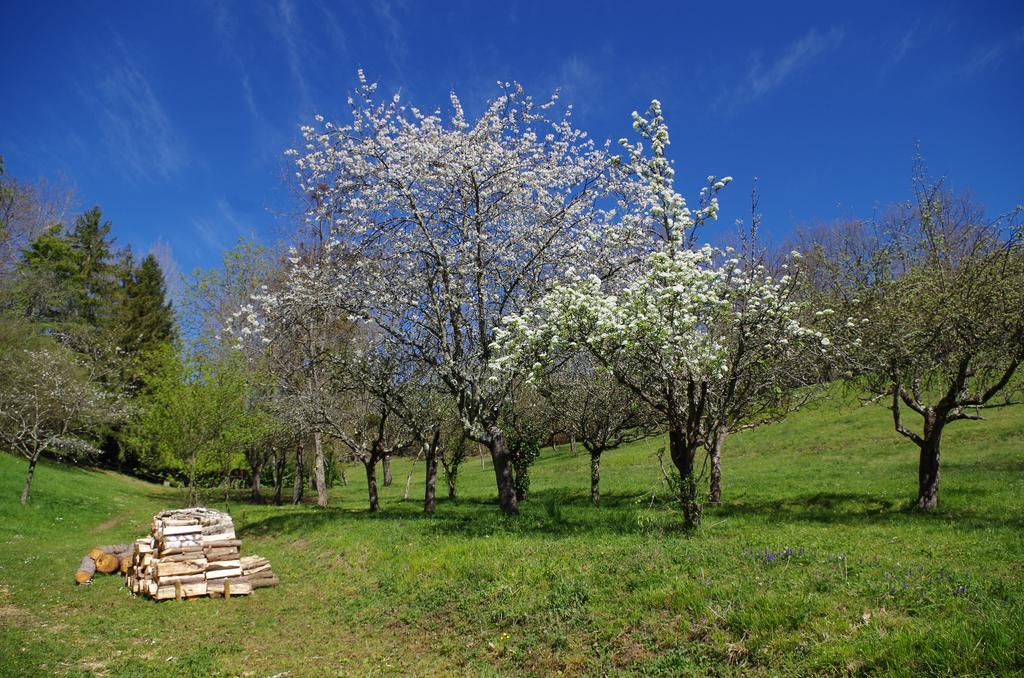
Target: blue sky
[(173, 116)]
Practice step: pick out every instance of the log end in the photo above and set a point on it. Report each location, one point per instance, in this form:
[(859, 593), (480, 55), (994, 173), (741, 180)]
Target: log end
[(107, 563)]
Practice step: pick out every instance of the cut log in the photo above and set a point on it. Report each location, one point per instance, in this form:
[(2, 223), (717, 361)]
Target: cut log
[(86, 569), (107, 563), (228, 553), (187, 591), (184, 567), (219, 543), (236, 588), (171, 530)]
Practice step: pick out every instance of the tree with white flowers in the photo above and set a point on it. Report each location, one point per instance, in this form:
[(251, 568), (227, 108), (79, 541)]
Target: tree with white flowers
[(440, 228), (670, 327), (49, 404)]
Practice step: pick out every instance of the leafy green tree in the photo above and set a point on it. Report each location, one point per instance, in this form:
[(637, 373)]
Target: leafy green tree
[(188, 420), (47, 277), (930, 307)]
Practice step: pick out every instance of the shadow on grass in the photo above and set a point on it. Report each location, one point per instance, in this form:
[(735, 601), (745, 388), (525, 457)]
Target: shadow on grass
[(864, 508), (549, 512), (557, 514)]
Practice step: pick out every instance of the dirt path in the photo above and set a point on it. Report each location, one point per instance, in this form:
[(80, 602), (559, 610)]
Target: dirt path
[(107, 524)]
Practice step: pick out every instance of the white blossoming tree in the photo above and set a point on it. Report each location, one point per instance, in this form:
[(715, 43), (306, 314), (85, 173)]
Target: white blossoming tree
[(49, 404), (669, 327), (441, 228)]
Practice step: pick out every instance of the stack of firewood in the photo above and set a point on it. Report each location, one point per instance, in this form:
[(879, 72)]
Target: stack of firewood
[(191, 553)]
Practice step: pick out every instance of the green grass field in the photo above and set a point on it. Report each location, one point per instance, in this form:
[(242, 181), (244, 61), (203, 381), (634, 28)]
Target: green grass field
[(869, 586)]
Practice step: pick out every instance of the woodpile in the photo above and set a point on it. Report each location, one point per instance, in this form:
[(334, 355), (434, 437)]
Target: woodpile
[(189, 553)]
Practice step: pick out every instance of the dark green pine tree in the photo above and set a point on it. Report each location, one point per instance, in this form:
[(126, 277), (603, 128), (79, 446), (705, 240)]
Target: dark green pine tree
[(47, 285), (91, 241), (148, 318)]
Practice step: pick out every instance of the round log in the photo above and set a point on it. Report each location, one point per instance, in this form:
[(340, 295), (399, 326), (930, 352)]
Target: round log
[(86, 569), (107, 563)]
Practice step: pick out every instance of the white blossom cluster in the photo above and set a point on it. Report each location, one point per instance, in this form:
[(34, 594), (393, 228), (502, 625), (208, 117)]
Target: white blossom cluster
[(438, 228), (683, 316)]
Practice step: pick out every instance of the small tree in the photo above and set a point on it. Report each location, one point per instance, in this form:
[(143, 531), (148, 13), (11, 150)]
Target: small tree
[(48, 403), (187, 420), (930, 306), (596, 410)]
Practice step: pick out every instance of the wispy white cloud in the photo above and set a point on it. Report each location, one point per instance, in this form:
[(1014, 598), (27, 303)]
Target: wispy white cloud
[(288, 27), (225, 24), (164, 254), (993, 54), (395, 43), (134, 121), (900, 50), (223, 226), (762, 80), (577, 81), (339, 41)]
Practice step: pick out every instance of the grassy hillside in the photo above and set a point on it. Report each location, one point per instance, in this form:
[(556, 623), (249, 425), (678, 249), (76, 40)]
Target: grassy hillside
[(865, 585)]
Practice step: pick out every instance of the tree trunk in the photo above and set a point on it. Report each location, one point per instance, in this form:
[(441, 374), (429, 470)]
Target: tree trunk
[(572, 443), (715, 495), (502, 471), (928, 469), (683, 454), (408, 480), (298, 487), (429, 499), (385, 464), (321, 481), (451, 477), (371, 483), (280, 460), (595, 478), (257, 470), (28, 479)]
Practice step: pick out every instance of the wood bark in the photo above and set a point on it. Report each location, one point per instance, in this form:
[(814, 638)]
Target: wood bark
[(430, 494), (595, 477), (28, 479), (498, 448), (715, 493), (386, 466), (298, 487), (86, 570), (928, 465), (280, 461), (321, 480), (683, 453), (371, 483), (256, 469)]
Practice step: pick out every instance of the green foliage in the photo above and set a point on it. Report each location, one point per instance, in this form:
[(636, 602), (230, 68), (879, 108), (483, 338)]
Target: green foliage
[(193, 417)]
